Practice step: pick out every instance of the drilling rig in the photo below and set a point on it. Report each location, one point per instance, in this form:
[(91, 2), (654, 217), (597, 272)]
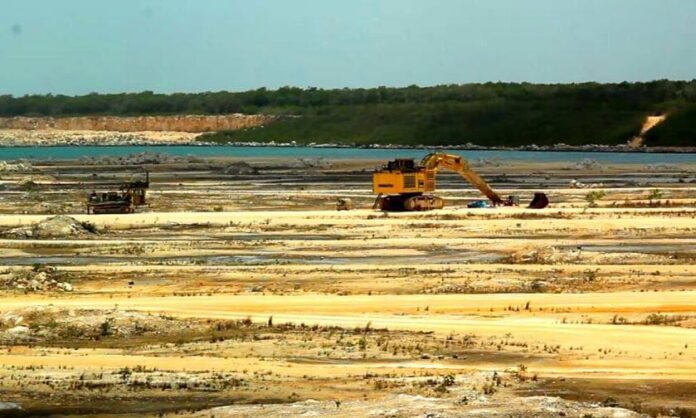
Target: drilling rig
[(403, 185)]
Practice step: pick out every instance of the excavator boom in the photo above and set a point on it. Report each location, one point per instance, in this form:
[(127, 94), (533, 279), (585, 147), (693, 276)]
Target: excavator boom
[(432, 162)]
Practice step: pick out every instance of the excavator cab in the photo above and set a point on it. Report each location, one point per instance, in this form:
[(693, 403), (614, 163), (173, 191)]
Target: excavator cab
[(406, 165)]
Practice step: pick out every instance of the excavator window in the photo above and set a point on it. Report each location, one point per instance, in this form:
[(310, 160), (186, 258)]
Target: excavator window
[(402, 164), (410, 181)]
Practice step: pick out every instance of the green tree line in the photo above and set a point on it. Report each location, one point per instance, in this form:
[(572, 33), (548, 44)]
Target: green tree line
[(485, 114)]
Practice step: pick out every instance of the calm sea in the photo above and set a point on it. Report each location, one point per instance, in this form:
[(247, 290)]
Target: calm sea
[(72, 152)]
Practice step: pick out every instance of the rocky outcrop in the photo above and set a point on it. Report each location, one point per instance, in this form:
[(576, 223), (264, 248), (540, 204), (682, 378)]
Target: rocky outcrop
[(175, 123)]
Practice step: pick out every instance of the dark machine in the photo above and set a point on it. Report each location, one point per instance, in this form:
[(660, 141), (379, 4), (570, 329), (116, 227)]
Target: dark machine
[(124, 200)]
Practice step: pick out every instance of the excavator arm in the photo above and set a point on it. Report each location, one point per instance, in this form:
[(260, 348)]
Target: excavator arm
[(432, 162)]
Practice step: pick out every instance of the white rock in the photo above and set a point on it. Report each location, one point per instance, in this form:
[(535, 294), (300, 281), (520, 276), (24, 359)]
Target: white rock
[(18, 330), (5, 406), (65, 286)]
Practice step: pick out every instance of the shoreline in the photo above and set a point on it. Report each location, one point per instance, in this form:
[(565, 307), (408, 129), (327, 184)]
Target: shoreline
[(467, 147), (52, 137)]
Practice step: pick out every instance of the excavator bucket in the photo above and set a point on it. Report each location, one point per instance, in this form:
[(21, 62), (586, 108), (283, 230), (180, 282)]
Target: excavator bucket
[(540, 201)]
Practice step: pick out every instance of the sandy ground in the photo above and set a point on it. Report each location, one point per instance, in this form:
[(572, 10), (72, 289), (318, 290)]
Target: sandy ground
[(231, 291)]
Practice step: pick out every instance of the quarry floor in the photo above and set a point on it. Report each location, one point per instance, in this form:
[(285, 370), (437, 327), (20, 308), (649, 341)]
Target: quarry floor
[(250, 295)]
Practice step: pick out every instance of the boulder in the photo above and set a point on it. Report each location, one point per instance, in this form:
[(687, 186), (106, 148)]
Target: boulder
[(65, 286)]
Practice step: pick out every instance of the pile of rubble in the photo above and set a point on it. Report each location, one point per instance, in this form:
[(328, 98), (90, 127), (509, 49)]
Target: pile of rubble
[(52, 137), (662, 167), (27, 184), (576, 184), (40, 279), (588, 164), (6, 167), (55, 208), (240, 167), (60, 226), (410, 406), (488, 162), (44, 323), (139, 159), (315, 162), (542, 255)]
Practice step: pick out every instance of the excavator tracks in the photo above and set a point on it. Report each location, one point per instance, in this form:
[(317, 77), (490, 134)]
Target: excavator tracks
[(410, 203)]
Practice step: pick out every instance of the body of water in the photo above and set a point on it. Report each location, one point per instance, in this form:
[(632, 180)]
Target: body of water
[(73, 152)]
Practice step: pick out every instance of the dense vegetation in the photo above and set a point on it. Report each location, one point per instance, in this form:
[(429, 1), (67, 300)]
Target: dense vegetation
[(678, 130), (484, 114)]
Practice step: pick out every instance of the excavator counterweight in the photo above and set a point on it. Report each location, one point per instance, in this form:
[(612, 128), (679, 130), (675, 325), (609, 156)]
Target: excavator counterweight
[(404, 185)]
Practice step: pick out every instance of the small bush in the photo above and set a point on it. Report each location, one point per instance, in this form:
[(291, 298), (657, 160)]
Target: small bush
[(592, 197)]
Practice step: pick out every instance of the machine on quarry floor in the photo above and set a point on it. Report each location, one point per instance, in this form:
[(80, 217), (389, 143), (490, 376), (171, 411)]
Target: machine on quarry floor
[(124, 200), (403, 185)]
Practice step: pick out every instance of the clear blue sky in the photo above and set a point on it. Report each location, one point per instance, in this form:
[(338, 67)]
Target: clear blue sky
[(80, 46)]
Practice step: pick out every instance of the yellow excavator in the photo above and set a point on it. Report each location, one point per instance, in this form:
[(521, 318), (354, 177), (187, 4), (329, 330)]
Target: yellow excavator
[(403, 185)]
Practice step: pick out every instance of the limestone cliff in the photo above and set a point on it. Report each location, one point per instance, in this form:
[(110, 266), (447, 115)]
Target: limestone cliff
[(176, 123)]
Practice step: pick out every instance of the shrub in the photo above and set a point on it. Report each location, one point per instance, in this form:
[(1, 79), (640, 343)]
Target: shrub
[(593, 196)]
